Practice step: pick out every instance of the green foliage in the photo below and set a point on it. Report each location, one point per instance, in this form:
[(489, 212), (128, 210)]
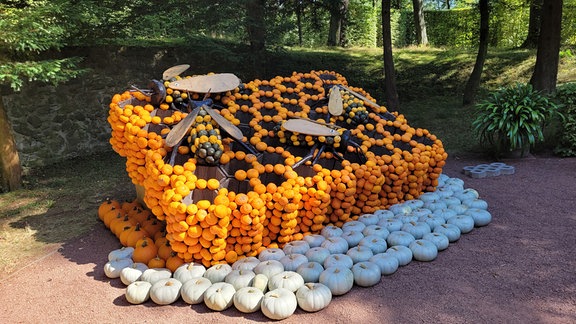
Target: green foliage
[(565, 96), (28, 30), (513, 118)]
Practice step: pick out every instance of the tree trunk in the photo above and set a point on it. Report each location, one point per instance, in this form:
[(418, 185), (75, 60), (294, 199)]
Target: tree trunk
[(343, 41), (531, 40), (419, 22), (11, 171), (255, 25), (474, 81), (447, 3), (336, 20), (392, 101), (299, 22), (547, 56)]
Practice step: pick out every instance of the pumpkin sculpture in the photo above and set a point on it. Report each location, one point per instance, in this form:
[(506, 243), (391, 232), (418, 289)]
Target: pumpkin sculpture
[(239, 203)]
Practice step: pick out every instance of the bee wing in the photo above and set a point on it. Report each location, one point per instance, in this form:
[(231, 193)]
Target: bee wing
[(225, 124), (213, 83), (308, 127), (174, 71), (179, 131)]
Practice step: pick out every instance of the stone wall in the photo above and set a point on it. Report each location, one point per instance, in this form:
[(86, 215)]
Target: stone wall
[(54, 123)]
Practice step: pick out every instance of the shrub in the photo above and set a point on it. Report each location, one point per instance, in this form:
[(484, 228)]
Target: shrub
[(513, 118), (565, 97)]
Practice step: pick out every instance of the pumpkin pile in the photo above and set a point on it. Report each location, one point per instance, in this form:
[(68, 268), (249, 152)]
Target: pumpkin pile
[(222, 200), (309, 273)]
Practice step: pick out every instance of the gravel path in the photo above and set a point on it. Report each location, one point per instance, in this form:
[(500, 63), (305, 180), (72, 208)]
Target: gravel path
[(519, 269)]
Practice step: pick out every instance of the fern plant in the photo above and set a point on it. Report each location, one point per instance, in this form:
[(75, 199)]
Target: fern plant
[(513, 118)]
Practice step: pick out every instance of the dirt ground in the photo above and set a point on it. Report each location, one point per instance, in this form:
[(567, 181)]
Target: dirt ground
[(519, 269)]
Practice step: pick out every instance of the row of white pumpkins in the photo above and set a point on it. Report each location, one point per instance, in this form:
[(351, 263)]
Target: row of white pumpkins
[(309, 272)]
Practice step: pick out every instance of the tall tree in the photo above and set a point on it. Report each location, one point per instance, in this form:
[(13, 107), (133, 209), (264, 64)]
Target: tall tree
[(545, 72), (531, 40), (474, 81), (419, 22), (255, 24), (338, 10), (29, 28), (392, 101)]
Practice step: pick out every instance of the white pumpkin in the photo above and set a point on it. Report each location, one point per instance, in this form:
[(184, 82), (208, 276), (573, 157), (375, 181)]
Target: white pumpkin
[(340, 260), (376, 243), (335, 244), (360, 253), (279, 304), (417, 229), (314, 240), (292, 261), (400, 238), (353, 226), (313, 296), (414, 203), (290, 280), (138, 292), (310, 271), (260, 281), (271, 254), (218, 272), (240, 278), (248, 299), (440, 240), (153, 275), (445, 213), (458, 208), (402, 253), (296, 247), (269, 268), (432, 220), (400, 209), (391, 224), (338, 279), (388, 263), (464, 222), (247, 263), (188, 271), (132, 273), (451, 201), (219, 296), (410, 217), (420, 212), (429, 196), (383, 214), (318, 254), (192, 291), (444, 192), (124, 252), (451, 231), (165, 291), (435, 204), (423, 250), (113, 268), (377, 230), (366, 273), (368, 219), (481, 217), (352, 237), (466, 194), (330, 231)]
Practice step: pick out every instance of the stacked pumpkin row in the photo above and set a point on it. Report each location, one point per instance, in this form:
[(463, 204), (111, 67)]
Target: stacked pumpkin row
[(308, 273), (249, 202)]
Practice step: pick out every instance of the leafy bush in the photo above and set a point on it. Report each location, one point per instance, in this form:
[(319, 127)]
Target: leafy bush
[(513, 118), (565, 97)]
